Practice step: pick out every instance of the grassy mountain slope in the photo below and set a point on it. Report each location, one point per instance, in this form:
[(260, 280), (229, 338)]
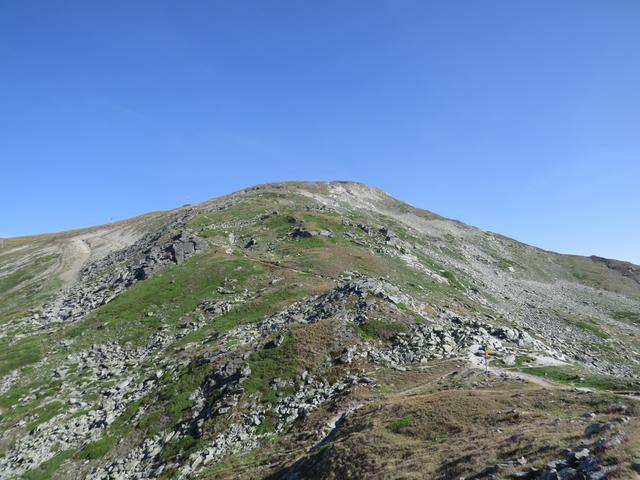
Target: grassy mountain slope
[(311, 330)]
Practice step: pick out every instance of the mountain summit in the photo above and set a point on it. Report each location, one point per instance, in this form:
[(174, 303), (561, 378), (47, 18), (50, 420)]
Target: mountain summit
[(313, 330)]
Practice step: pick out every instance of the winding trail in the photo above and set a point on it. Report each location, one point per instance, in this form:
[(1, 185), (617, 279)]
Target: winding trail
[(477, 363), (75, 254)]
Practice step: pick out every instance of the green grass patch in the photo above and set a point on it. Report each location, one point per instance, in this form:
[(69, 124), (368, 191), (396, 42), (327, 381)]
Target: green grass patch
[(97, 449), (418, 318), (19, 293), (178, 447), (268, 304), (18, 353), (172, 293), (593, 328), (269, 364), (175, 395), (38, 265), (323, 221), (44, 413), (633, 316), (211, 232), (19, 302), (523, 360), (47, 469), (281, 224), (251, 206), (379, 329), (584, 323), (39, 382), (398, 426), (123, 423), (449, 252), (453, 280), (312, 242)]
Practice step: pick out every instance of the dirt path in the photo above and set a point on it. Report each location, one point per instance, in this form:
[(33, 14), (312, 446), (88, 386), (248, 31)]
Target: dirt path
[(74, 255), (529, 378), (91, 246), (477, 362)]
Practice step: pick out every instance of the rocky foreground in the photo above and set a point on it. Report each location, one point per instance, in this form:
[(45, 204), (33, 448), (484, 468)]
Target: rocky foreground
[(314, 331)]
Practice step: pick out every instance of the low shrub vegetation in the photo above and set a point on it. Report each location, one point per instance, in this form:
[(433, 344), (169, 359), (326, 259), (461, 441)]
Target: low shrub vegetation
[(398, 426)]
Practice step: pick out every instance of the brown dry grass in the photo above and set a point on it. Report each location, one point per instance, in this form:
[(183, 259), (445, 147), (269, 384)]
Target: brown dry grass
[(459, 424), (316, 340)]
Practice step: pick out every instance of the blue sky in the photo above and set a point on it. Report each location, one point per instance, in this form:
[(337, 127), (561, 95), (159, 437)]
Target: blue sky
[(518, 117)]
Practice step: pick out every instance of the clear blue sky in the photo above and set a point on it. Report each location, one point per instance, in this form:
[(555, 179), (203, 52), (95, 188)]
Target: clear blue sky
[(520, 117)]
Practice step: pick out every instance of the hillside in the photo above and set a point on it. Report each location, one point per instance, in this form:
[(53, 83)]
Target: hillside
[(313, 330)]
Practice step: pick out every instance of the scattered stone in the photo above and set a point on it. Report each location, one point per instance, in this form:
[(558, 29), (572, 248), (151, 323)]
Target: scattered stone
[(579, 455), (389, 235), (300, 232), (347, 355), (509, 360), (596, 428), (605, 444), (618, 408)]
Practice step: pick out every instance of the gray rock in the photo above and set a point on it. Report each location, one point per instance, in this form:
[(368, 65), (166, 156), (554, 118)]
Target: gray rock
[(347, 355), (526, 475), (578, 455), (389, 235), (596, 428), (605, 444), (568, 473)]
